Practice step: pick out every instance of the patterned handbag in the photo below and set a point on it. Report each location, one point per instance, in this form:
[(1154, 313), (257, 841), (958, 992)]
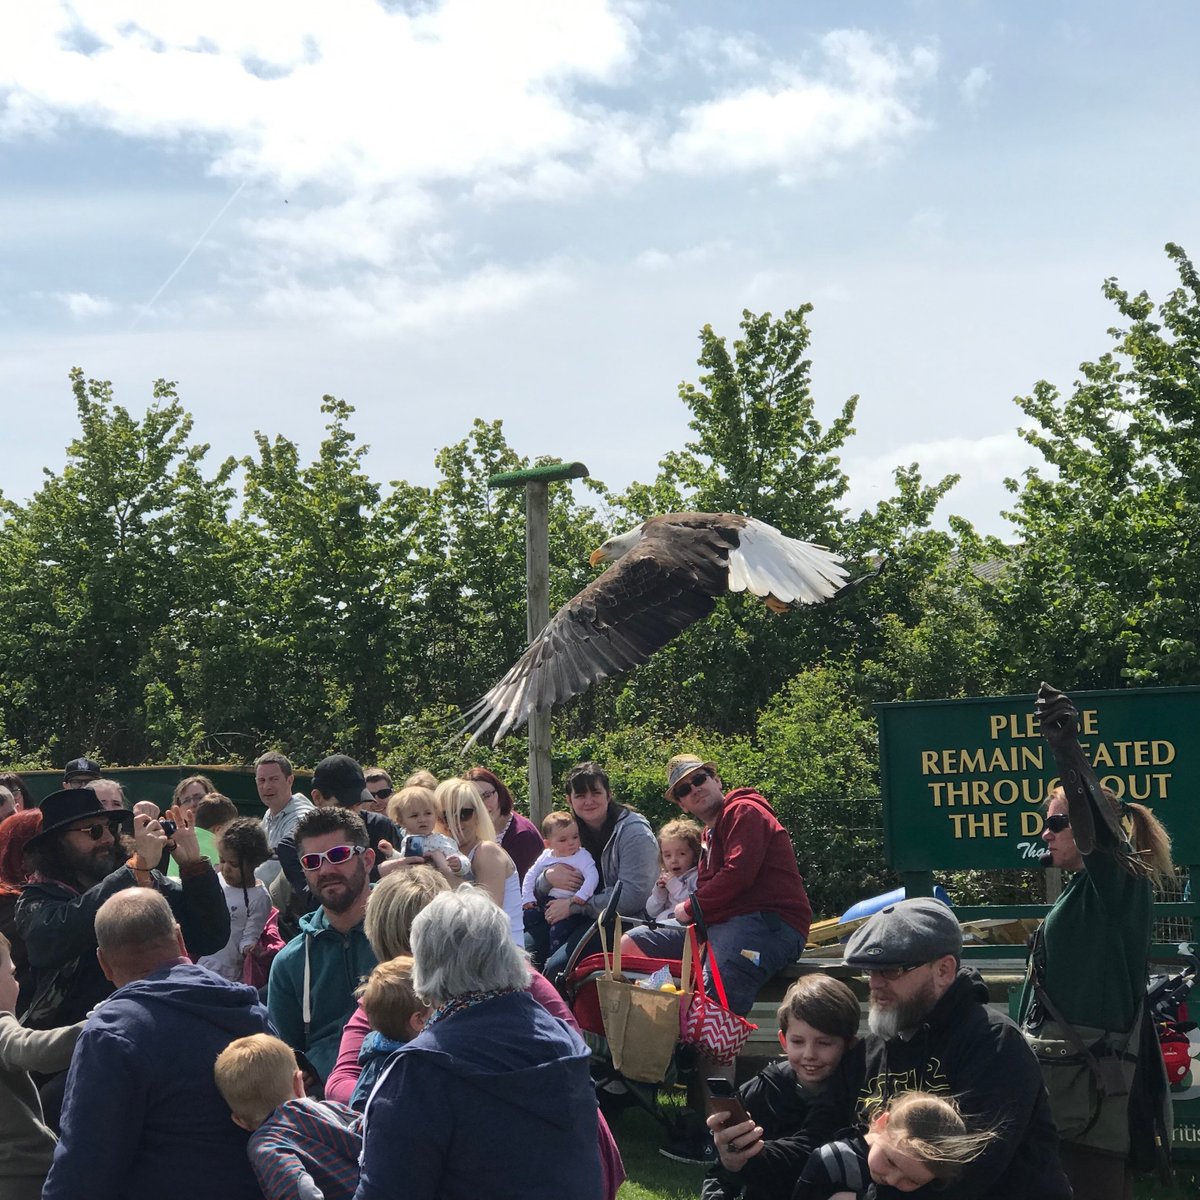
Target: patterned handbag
[(707, 1023)]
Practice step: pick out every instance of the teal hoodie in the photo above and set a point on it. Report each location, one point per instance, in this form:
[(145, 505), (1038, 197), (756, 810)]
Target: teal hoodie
[(337, 964)]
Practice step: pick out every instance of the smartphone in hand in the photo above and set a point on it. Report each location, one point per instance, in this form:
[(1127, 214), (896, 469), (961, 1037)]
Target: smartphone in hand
[(722, 1098)]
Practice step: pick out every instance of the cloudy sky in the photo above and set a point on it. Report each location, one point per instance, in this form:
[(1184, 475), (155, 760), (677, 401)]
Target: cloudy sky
[(526, 209)]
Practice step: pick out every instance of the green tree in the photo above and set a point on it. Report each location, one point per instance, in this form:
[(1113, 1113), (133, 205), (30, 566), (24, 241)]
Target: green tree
[(310, 624), (1103, 589), (104, 564), (760, 450)]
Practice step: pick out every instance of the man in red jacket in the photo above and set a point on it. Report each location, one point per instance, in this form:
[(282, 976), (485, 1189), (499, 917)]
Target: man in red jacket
[(749, 892)]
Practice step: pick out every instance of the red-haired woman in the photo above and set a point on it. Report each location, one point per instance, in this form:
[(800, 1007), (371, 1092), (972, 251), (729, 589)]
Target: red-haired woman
[(517, 835), (15, 834)]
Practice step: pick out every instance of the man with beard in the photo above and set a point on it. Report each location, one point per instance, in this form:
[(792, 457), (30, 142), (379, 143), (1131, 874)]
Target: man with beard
[(931, 1030), (311, 990), (80, 858)]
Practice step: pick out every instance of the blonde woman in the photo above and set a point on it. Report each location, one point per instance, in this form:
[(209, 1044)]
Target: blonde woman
[(471, 827)]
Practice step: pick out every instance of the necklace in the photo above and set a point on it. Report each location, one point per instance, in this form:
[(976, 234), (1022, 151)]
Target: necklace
[(457, 1004)]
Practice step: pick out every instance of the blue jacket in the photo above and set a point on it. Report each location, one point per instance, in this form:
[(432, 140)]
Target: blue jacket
[(492, 1101), (338, 963), (143, 1117)]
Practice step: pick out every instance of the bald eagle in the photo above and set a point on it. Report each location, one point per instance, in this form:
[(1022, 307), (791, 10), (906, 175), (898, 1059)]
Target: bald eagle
[(666, 574)]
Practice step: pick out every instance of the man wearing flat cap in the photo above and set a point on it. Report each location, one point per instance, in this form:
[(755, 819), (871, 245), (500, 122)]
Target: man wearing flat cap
[(749, 893), (931, 1030)]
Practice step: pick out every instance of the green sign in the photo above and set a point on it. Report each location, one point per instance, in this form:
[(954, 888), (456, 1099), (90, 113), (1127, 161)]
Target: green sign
[(963, 780)]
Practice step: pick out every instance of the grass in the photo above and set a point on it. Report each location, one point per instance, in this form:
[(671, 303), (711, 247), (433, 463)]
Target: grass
[(652, 1177)]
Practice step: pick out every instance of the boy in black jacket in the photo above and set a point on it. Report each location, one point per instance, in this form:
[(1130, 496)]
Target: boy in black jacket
[(818, 1023)]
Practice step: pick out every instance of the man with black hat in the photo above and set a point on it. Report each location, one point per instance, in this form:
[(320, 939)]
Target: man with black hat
[(931, 1030), (83, 855), (338, 781)]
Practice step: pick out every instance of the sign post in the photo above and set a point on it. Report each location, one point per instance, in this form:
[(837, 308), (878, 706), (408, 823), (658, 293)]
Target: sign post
[(536, 482)]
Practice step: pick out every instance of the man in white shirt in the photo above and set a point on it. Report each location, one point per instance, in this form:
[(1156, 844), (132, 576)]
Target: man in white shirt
[(274, 777)]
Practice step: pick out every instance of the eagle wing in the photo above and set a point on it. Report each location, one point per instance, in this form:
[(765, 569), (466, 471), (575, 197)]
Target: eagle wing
[(667, 582), (618, 621), (767, 563)]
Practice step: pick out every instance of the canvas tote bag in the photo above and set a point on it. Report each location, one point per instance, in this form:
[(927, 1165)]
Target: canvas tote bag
[(642, 1026)]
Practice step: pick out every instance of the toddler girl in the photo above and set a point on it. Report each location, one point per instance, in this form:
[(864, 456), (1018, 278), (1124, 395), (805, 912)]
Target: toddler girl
[(917, 1139), (242, 847), (679, 854), (416, 811)]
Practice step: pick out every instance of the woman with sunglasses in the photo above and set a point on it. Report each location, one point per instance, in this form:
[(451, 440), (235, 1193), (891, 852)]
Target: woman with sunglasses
[(471, 827), (518, 836), (1088, 971)]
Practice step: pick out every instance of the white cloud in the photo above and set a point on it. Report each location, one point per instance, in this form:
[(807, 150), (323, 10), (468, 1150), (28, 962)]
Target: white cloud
[(799, 124), (387, 303), (83, 305), (983, 464), (716, 51), (976, 81), (352, 95), (660, 260), (384, 126)]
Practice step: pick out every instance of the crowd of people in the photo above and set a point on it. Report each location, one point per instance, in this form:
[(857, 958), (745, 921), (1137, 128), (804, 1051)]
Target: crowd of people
[(355, 996)]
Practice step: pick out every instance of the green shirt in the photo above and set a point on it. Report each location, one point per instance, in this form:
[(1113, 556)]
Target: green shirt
[(1097, 941)]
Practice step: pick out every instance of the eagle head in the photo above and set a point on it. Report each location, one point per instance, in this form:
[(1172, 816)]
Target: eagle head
[(616, 547)]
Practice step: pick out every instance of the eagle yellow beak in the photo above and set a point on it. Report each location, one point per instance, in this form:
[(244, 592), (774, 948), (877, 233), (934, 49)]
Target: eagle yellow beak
[(596, 557)]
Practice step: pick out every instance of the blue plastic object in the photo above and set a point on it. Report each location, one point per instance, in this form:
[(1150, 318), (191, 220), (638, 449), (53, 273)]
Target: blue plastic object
[(864, 908)]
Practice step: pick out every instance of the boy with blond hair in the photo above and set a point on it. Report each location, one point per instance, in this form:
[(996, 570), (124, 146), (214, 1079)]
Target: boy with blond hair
[(396, 1014), (300, 1149)]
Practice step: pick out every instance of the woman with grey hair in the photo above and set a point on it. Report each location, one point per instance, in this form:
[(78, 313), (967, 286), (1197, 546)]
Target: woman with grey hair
[(494, 1095)]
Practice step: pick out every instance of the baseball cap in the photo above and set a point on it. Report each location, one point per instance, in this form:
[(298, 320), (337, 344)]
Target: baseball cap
[(341, 777)]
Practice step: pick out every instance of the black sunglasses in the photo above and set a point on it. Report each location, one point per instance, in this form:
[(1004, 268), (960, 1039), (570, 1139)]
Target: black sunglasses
[(891, 974), (693, 781), (97, 831), (383, 793), (335, 854), (466, 812), (1058, 822)]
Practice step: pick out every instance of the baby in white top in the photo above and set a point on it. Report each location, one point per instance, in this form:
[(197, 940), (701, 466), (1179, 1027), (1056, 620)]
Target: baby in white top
[(416, 811), (679, 854), (563, 848)]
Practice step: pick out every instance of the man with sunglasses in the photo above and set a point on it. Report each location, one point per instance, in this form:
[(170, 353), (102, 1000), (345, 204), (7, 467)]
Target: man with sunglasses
[(83, 855), (310, 994), (749, 896), (379, 784), (931, 1030)]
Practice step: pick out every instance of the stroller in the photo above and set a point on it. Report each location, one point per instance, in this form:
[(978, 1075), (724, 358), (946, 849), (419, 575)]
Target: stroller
[(1166, 1001)]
